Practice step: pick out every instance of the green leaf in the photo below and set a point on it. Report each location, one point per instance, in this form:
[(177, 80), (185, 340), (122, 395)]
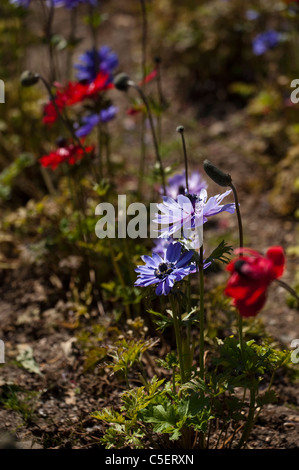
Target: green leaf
[(163, 417), (220, 253)]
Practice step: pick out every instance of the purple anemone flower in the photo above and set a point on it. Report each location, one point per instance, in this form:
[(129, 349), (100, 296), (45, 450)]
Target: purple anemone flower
[(161, 245), (19, 3), (73, 3), (89, 122), (165, 271), (177, 184), (95, 61), (189, 212), (56, 3), (265, 41), (252, 15)]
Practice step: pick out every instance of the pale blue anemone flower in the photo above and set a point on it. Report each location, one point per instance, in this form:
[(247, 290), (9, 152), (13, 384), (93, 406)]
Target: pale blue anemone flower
[(189, 212), (177, 184)]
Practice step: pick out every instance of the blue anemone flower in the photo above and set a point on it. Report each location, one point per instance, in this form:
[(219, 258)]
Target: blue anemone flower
[(73, 3), (95, 61), (89, 122), (177, 184), (265, 41), (189, 212), (165, 271), (19, 3), (56, 3)]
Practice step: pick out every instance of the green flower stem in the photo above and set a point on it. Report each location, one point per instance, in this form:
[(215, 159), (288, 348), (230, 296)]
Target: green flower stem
[(144, 36), (119, 275), (241, 244), (201, 314), (100, 149), (288, 288), (177, 336), (161, 100), (181, 131), (250, 419), (71, 41), (49, 17), (143, 72), (188, 336), (151, 122), (142, 156)]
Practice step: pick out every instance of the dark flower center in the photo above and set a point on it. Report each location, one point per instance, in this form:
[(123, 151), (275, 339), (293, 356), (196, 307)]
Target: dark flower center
[(238, 266), (193, 198), (163, 270)]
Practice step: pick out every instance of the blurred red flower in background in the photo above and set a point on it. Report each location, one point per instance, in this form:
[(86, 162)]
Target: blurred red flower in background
[(65, 154), (251, 276), (74, 93)]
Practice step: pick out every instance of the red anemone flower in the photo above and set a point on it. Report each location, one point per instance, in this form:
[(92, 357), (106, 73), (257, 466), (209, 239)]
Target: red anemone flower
[(251, 276), (68, 153), (74, 93)]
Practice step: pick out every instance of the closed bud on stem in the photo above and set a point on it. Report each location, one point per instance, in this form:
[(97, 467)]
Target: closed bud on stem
[(180, 129), (29, 78), (122, 82), (217, 175)]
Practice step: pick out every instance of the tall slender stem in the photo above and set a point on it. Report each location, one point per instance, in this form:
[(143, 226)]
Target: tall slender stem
[(93, 32), (249, 421), (241, 245), (100, 149), (144, 37), (143, 72), (201, 314), (288, 288), (71, 40), (178, 337), (180, 129), (161, 98), (241, 242), (48, 36), (155, 141)]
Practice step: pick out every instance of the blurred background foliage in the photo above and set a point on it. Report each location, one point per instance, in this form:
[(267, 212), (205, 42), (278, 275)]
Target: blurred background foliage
[(216, 58)]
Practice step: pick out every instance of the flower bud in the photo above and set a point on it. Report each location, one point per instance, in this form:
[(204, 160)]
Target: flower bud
[(121, 82), (61, 141), (29, 78), (180, 129), (218, 176)]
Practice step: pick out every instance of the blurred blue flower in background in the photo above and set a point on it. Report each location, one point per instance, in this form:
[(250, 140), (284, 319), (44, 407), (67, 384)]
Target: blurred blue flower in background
[(89, 122), (265, 41), (95, 61)]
